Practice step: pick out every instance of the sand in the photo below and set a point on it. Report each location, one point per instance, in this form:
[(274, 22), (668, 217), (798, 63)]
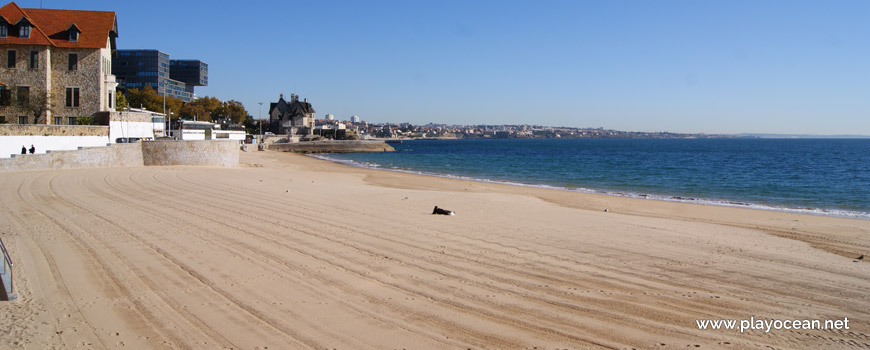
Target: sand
[(290, 252)]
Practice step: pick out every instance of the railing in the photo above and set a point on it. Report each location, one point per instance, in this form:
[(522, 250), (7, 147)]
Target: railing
[(6, 274)]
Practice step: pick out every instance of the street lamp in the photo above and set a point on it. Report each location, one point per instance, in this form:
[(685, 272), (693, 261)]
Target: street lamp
[(164, 106), (260, 121)]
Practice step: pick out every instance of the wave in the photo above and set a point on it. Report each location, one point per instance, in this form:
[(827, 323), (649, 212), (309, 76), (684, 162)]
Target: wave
[(706, 201)]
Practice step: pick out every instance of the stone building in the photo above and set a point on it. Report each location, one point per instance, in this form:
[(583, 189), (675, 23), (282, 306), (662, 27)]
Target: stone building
[(59, 59), (292, 117)]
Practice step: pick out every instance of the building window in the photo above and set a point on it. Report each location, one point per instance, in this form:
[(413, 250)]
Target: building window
[(71, 120), (24, 30), (5, 96), (111, 100), (22, 119), (73, 35), (73, 61), (72, 97), (10, 59), (4, 29), (23, 94), (34, 59), (58, 120)]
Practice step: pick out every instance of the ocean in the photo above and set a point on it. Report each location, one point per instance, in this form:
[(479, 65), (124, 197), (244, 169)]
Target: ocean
[(815, 176)]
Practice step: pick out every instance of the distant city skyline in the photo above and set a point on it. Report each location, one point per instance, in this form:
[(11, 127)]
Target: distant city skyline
[(680, 66)]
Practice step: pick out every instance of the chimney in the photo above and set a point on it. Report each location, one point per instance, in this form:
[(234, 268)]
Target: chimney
[(282, 95), (306, 100)]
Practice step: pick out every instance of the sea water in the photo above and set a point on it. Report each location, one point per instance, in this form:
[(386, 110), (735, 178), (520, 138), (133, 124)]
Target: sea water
[(817, 176)]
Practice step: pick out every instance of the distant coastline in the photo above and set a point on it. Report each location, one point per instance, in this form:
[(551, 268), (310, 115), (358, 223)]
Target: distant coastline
[(431, 131), (802, 136)]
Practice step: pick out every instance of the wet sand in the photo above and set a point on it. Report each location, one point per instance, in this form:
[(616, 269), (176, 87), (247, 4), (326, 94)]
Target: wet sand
[(290, 252)]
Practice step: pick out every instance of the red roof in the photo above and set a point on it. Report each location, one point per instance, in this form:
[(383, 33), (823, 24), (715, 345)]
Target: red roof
[(50, 27)]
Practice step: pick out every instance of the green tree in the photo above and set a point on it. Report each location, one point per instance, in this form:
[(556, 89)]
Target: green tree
[(251, 125), (120, 102), (85, 120)]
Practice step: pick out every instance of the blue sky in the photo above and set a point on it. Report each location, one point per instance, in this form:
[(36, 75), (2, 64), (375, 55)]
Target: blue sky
[(684, 66)]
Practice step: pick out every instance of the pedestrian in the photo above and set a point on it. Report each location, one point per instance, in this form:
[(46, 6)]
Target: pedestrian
[(23, 149), (32, 149)]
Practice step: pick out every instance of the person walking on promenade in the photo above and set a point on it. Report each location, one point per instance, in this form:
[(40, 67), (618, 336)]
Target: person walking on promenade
[(32, 149), (23, 149)]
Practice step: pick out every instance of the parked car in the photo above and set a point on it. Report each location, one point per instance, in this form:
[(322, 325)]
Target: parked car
[(127, 139)]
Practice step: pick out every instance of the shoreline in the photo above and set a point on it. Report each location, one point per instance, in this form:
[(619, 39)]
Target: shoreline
[(824, 212), (804, 227)]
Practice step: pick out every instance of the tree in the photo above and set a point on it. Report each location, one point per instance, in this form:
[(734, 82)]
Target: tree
[(150, 100), (173, 105), (203, 108), (233, 111), (252, 126), (192, 110), (145, 98), (85, 120), (120, 102)]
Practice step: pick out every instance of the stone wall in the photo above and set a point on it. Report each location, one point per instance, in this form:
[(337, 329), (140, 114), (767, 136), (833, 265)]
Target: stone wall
[(119, 155), (198, 153), (103, 118), (332, 147), (202, 153), (53, 130)]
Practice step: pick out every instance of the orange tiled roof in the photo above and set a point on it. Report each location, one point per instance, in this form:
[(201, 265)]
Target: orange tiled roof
[(50, 26)]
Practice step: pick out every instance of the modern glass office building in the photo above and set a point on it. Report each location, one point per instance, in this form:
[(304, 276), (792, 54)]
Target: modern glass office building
[(176, 78), (190, 72)]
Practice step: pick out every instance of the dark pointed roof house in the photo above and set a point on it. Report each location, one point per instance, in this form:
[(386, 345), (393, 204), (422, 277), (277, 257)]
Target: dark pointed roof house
[(291, 117)]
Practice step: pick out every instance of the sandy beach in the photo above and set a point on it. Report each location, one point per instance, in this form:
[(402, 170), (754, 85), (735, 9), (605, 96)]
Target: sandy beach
[(291, 252)]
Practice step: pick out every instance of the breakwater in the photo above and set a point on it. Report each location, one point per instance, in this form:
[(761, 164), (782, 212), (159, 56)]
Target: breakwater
[(338, 146)]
